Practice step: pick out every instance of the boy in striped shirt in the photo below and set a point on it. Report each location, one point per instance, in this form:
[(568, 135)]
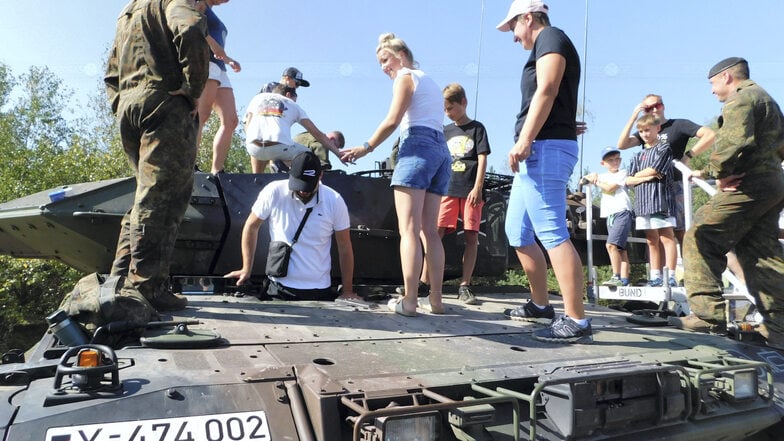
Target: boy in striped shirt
[(651, 174)]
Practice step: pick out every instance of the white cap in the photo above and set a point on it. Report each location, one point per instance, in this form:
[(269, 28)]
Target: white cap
[(520, 7)]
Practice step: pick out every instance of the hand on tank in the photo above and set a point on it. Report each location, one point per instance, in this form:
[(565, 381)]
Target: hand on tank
[(242, 276)]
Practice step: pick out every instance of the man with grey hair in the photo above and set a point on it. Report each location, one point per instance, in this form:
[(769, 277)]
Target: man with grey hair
[(746, 163)]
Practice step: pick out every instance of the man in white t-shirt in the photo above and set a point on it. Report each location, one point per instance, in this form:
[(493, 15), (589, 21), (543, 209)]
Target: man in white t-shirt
[(268, 122), (283, 204)]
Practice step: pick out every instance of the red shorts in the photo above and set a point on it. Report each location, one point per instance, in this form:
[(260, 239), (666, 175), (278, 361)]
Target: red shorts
[(453, 208)]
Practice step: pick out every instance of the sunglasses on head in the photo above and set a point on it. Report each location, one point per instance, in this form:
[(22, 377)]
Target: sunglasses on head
[(650, 108)]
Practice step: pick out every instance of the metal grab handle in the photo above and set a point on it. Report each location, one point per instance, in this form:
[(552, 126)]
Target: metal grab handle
[(686, 172)]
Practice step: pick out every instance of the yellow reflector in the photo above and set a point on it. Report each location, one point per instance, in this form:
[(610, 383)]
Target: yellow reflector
[(88, 358)]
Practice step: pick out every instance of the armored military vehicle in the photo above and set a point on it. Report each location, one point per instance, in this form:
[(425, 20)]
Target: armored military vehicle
[(79, 225), (233, 366)]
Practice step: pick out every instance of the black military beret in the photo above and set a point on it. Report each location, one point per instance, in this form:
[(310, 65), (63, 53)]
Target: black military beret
[(723, 65)]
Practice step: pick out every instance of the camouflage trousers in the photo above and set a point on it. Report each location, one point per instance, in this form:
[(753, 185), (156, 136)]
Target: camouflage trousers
[(159, 138), (745, 221)]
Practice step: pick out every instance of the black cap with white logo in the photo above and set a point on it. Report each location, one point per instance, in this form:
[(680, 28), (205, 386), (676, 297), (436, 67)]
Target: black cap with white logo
[(305, 172)]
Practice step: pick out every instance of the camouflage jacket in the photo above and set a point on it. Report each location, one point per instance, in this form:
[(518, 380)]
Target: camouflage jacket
[(750, 138), (160, 45)]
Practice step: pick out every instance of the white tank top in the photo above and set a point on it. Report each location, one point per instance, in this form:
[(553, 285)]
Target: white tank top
[(427, 104)]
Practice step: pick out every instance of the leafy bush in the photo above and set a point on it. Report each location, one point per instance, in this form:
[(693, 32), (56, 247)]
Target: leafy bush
[(29, 291)]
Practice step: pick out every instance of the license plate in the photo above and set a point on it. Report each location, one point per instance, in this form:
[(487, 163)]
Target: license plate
[(240, 426)]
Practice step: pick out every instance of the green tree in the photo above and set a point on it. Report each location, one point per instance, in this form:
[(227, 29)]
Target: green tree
[(236, 162), (42, 148)]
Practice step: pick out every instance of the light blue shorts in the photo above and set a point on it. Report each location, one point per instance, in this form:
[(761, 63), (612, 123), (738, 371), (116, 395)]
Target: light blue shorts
[(423, 161), (537, 202)]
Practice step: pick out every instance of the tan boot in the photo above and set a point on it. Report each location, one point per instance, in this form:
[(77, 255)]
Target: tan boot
[(693, 323)]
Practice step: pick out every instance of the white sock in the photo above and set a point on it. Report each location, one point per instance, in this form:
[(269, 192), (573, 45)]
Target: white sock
[(583, 323), (655, 274)]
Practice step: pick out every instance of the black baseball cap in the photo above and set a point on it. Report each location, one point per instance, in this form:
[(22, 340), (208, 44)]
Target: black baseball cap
[(723, 65), (296, 75), (304, 172)]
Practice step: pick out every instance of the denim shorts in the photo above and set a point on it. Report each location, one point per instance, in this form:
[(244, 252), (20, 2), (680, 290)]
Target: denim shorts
[(618, 226), (537, 202), (423, 161), (677, 196)]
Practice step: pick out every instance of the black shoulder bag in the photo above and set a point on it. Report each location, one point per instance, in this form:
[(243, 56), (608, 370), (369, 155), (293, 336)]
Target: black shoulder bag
[(279, 252)]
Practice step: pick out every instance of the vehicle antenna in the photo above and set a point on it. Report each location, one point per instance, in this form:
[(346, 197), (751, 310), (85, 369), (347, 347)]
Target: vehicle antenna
[(585, 79), (479, 57)]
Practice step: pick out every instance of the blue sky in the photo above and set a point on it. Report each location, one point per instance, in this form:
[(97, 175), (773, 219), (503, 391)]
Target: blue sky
[(632, 50)]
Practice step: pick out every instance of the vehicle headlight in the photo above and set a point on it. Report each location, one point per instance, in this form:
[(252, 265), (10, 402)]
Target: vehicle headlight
[(422, 427), (738, 385)]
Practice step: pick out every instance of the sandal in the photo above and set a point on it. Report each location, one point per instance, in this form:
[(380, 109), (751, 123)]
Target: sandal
[(396, 306), (424, 303)]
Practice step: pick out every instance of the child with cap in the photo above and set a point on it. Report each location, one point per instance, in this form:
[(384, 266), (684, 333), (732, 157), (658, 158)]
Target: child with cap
[(616, 206)]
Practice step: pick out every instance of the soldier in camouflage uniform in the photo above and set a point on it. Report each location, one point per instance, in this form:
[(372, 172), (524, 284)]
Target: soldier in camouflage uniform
[(743, 215), (157, 69)]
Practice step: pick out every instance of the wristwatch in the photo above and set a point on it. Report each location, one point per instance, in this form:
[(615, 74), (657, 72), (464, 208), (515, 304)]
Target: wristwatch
[(367, 146)]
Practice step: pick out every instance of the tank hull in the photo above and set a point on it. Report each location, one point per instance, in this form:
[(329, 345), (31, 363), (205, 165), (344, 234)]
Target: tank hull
[(81, 228)]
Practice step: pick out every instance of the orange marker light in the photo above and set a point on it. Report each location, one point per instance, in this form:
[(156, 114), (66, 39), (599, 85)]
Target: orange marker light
[(88, 358)]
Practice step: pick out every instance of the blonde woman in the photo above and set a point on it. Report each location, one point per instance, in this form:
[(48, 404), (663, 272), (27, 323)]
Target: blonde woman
[(422, 172)]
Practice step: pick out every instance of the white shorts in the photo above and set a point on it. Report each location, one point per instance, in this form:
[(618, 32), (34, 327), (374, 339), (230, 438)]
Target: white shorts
[(653, 222), (220, 76), (277, 152)]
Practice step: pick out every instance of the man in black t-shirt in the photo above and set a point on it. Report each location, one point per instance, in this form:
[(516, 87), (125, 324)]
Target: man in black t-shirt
[(677, 133)]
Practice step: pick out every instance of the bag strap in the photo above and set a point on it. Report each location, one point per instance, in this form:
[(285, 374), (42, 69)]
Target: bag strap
[(107, 293), (301, 224)]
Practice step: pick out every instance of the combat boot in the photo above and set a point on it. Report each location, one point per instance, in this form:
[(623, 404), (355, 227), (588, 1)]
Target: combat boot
[(168, 301), (693, 323), (773, 340)]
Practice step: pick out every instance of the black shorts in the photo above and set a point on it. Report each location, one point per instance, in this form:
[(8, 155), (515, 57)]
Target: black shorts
[(283, 292)]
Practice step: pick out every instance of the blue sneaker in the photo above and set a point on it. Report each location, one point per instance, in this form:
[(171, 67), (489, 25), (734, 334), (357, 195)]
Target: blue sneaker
[(656, 282), (531, 313), (624, 281), (672, 282), (565, 330)]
